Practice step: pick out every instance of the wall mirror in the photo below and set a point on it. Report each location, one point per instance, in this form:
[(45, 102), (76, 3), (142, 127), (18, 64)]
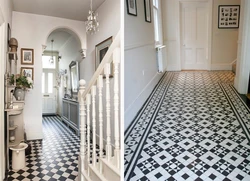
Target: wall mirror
[(74, 77)]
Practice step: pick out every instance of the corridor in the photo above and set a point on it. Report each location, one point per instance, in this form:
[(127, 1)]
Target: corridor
[(194, 126)]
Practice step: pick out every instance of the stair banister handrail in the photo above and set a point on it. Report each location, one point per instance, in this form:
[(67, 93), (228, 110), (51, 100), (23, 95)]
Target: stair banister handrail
[(106, 59)]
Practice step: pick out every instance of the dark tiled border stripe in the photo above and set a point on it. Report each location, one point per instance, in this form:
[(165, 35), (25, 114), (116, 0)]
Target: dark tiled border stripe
[(134, 160), (144, 106), (243, 102), (241, 122)]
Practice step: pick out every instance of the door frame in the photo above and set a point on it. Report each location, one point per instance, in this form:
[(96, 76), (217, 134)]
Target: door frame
[(242, 68), (3, 45), (209, 31)]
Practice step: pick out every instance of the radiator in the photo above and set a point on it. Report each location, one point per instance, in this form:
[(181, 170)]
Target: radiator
[(160, 57)]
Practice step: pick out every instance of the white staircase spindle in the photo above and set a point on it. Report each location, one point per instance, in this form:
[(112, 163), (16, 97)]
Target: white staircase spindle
[(93, 94), (108, 125), (100, 86), (82, 84), (116, 58), (88, 102)]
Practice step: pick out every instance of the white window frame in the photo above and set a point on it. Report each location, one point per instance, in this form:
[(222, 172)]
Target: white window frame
[(158, 27)]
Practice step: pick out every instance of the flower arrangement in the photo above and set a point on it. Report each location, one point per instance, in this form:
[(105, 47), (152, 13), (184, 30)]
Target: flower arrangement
[(22, 81)]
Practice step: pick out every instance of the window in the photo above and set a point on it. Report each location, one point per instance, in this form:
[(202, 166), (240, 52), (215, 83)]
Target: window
[(157, 22), (46, 62), (50, 83)]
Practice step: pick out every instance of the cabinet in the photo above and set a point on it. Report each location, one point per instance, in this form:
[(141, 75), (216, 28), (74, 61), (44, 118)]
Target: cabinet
[(70, 114)]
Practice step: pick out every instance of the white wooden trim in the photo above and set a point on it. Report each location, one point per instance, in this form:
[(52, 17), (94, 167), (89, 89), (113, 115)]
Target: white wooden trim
[(2, 70), (209, 42), (138, 45), (242, 72), (138, 102), (3, 58)]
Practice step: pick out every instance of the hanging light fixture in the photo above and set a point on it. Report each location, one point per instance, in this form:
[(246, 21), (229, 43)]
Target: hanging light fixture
[(92, 23), (51, 60)]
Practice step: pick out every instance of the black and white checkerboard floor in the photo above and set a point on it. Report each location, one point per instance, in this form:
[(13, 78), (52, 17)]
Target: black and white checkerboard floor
[(53, 158), (194, 127)]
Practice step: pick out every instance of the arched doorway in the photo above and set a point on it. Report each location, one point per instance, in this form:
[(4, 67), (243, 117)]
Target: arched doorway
[(65, 46)]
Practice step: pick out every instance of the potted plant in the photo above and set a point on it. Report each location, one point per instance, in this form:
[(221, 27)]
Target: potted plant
[(23, 83)]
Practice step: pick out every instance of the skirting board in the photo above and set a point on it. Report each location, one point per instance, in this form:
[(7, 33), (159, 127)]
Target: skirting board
[(225, 66), (213, 67), (132, 110)]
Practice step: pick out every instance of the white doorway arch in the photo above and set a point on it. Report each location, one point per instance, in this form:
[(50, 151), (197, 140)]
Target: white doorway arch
[(68, 47)]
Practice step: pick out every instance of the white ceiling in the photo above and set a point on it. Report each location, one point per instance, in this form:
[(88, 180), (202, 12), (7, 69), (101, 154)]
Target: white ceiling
[(69, 9)]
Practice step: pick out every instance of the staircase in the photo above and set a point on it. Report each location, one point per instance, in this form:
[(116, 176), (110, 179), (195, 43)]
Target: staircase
[(99, 127)]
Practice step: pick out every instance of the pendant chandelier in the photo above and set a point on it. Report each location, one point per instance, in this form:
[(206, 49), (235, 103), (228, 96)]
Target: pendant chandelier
[(51, 60), (92, 23)]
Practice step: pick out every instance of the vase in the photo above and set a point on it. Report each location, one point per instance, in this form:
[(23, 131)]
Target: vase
[(19, 94)]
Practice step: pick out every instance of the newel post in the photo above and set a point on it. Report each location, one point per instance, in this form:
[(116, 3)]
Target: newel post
[(82, 84)]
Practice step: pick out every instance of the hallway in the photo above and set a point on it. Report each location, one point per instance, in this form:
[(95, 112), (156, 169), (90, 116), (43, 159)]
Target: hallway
[(53, 158), (194, 126)]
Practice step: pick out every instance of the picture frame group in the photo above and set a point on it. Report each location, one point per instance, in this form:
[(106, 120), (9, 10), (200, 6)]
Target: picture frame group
[(132, 9), (27, 58)]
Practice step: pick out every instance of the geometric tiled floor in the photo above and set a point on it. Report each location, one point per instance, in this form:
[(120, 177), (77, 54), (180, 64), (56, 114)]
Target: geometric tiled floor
[(53, 158), (194, 126)]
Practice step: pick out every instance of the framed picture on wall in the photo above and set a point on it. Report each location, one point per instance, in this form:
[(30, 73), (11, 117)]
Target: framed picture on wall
[(100, 51), (132, 7), (27, 56), (28, 72), (147, 8), (228, 16)]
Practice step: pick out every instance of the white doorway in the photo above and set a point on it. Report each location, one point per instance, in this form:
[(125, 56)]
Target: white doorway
[(49, 88), (195, 34), (194, 22)]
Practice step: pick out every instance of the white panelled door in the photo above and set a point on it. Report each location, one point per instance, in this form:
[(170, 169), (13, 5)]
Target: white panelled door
[(194, 35), (49, 91)]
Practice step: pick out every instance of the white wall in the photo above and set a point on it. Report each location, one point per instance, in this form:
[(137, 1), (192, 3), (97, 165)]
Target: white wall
[(32, 31), (109, 19), (224, 42), (69, 52), (139, 62), (5, 18)]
